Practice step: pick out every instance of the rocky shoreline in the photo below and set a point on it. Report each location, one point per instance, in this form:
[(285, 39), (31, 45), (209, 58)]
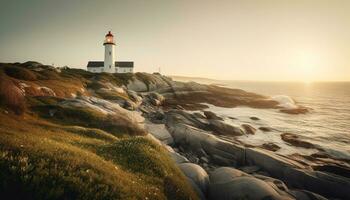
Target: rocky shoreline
[(230, 169), (207, 149)]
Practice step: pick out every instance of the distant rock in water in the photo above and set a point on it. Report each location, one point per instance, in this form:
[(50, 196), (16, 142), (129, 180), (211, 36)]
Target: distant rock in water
[(299, 110), (248, 129), (296, 141), (254, 118), (270, 146), (211, 115), (265, 129)]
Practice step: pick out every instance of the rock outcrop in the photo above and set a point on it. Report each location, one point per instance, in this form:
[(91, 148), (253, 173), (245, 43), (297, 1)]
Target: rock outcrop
[(232, 184), (296, 141), (197, 174), (223, 153)]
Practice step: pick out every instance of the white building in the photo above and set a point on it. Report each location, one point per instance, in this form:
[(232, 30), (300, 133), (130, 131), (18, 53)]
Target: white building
[(110, 65)]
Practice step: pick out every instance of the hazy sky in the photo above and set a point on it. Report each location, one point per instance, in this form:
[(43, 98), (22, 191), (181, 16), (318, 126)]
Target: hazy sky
[(238, 40)]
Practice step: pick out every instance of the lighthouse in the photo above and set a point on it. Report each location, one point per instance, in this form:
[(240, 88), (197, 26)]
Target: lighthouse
[(109, 63)]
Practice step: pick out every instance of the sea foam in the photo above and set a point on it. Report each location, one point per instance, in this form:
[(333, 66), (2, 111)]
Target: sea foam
[(285, 101)]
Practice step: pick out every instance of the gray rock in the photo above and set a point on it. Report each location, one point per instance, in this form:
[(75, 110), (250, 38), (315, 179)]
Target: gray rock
[(306, 195), (231, 184), (254, 118), (204, 159), (197, 174), (134, 96), (196, 189), (250, 169), (137, 85), (199, 115), (197, 140), (265, 129), (180, 116), (211, 115), (160, 132), (248, 129), (270, 146), (178, 158), (157, 96), (225, 174), (222, 152), (298, 176), (221, 127), (155, 102), (272, 163)]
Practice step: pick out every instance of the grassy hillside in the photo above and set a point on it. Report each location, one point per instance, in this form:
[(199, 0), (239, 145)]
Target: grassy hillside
[(75, 153)]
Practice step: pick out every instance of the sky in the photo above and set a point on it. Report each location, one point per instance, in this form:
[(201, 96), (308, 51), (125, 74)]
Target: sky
[(264, 40)]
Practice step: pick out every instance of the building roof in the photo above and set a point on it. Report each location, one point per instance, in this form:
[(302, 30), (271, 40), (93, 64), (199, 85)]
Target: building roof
[(123, 64), (109, 34)]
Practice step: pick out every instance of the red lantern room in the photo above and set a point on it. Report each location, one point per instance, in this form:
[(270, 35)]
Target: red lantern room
[(109, 39)]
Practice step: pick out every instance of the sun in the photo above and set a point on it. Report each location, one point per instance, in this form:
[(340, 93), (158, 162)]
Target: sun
[(307, 66)]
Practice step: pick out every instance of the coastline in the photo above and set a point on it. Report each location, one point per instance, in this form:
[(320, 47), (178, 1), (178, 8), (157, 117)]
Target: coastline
[(173, 114)]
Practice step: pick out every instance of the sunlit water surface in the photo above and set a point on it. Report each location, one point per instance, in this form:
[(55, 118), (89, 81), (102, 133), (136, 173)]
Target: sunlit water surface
[(327, 125)]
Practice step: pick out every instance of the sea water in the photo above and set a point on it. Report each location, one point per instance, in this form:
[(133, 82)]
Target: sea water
[(327, 125)]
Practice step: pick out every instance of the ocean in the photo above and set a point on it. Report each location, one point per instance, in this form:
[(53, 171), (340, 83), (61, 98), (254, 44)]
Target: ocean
[(327, 125)]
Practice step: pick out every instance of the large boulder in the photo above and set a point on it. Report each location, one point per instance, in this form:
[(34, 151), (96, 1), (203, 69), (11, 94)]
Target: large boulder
[(222, 128), (228, 183), (221, 152), (299, 176), (197, 140), (306, 195), (211, 115), (187, 118), (176, 156), (160, 132), (197, 174), (144, 82), (137, 85)]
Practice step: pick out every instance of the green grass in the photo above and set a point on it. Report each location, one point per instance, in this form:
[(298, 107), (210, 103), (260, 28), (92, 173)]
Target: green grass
[(41, 160)]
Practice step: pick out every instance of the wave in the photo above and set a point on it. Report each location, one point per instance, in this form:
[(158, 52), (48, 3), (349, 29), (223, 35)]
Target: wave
[(285, 101)]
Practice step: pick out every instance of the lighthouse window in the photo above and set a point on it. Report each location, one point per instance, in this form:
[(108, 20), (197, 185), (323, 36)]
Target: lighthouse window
[(110, 53)]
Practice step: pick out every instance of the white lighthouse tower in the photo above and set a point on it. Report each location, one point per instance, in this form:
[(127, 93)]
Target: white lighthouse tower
[(110, 65), (109, 62)]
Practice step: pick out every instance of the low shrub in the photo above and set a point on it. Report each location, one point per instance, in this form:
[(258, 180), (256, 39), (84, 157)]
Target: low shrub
[(96, 85), (76, 73), (48, 74), (20, 73)]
